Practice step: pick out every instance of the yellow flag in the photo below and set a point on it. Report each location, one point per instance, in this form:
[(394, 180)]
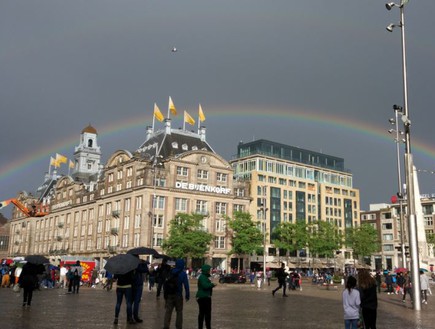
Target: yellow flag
[(201, 114), (71, 164), (172, 106), (157, 114), (53, 162), (61, 159), (188, 119)]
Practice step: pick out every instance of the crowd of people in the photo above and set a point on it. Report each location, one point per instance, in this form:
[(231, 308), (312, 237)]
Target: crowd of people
[(359, 296)]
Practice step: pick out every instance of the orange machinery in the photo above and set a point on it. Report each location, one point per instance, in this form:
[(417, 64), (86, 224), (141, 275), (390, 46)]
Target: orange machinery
[(37, 210)]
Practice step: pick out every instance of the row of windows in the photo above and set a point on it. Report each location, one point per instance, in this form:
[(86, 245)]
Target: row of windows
[(202, 174), (291, 170)]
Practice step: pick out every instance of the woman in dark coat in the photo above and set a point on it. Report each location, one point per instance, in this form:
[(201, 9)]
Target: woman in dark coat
[(28, 281), (369, 298)]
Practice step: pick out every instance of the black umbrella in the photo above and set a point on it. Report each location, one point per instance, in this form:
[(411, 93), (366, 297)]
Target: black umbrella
[(37, 259), (121, 264), (143, 251)]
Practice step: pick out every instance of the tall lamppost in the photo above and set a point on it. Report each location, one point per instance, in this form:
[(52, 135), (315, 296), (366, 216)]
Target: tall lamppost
[(395, 121), (409, 166), (263, 224), (156, 162)]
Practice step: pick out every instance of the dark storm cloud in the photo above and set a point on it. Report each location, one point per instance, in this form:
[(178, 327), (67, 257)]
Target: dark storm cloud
[(67, 63)]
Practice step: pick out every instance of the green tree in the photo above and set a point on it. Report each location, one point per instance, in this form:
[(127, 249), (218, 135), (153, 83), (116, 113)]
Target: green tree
[(325, 238), (363, 240), (187, 237), (291, 236), (430, 238), (246, 237)]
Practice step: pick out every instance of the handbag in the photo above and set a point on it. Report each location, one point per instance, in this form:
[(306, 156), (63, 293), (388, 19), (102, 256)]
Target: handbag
[(16, 288)]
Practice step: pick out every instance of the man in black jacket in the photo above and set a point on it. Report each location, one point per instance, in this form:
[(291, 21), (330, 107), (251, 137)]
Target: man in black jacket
[(281, 275)]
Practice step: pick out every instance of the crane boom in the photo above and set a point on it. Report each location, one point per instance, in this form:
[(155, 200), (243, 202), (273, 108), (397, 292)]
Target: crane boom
[(37, 210)]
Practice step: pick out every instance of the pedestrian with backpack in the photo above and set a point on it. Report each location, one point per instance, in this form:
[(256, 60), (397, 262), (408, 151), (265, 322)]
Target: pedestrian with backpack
[(173, 294)]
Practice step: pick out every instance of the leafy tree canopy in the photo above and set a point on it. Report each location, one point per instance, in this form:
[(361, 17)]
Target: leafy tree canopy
[(246, 237), (187, 237), (291, 236), (363, 240), (325, 238)]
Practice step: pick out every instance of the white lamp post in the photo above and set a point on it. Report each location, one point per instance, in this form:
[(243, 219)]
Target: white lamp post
[(409, 166)]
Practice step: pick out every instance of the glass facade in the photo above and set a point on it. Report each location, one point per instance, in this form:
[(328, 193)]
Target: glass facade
[(290, 153)]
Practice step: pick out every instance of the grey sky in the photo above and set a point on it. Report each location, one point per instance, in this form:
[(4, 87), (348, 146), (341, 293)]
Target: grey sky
[(64, 64)]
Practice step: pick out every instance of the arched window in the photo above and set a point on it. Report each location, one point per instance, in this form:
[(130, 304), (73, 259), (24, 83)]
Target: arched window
[(89, 142)]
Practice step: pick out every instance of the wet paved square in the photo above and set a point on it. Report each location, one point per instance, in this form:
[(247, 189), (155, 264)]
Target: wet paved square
[(234, 306)]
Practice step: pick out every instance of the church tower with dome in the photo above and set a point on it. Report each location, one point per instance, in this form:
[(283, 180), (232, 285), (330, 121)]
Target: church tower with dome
[(87, 156)]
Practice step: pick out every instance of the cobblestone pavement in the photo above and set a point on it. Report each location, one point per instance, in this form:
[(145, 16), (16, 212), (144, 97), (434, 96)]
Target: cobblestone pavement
[(234, 306)]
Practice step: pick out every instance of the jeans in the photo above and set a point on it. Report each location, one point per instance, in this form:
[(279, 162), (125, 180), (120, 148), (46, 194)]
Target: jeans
[(351, 324), (136, 297), (120, 293)]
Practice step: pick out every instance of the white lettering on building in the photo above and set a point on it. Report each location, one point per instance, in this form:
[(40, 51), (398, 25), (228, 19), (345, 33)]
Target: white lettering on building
[(61, 205), (202, 188)]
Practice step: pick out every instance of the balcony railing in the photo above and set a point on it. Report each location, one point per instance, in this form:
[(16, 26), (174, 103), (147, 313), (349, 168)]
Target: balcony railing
[(114, 231), (60, 225), (112, 249)]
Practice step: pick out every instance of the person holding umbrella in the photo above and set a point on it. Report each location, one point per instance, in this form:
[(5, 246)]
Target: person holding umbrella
[(137, 288), (28, 281), (123, 266)]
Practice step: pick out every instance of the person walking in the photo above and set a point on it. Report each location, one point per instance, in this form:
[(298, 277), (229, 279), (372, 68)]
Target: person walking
[(424, 285), (406, 287), (378, 279), (369, 298), (137, 288), (400, 281), (389, 283), (162, 273), (281, 276), (62, 276), (77, 271), (351, 304), (124, 285), (203, 297), (173, 294), (28, 281)]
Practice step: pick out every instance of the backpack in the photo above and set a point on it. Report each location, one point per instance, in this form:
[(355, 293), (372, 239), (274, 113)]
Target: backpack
[(76, 273), (170, 286)]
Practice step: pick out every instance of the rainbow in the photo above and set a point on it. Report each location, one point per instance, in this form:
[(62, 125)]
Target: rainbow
[(317, 118)]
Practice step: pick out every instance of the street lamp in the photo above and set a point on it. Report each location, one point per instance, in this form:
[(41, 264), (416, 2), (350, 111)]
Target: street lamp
[(264, 210), (156, 162), (395, 121), (409, 166)]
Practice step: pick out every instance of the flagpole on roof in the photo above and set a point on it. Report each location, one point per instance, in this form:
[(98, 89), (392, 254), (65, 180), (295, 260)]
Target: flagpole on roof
[(154, 116), (184, 121), (199, 118)]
